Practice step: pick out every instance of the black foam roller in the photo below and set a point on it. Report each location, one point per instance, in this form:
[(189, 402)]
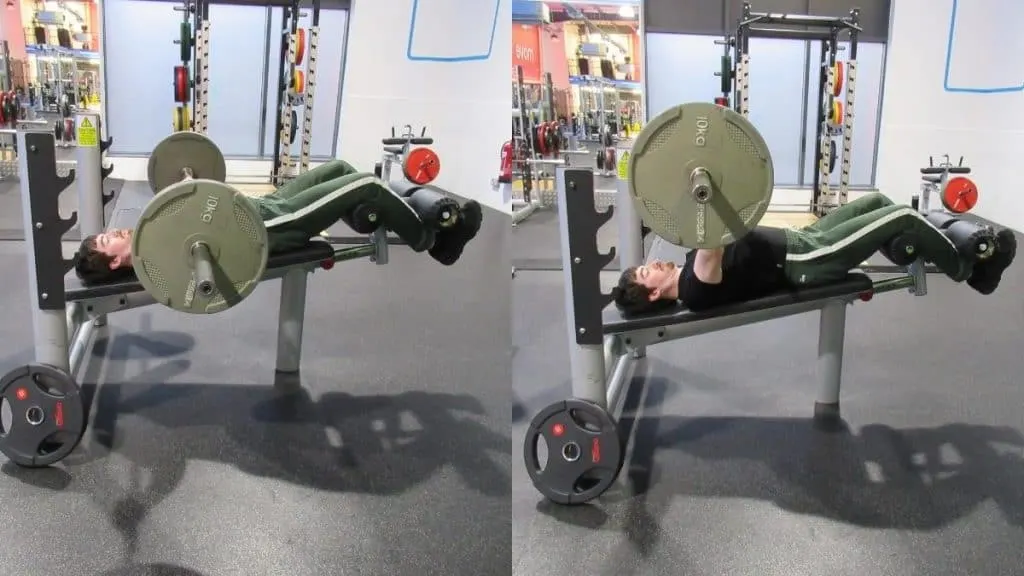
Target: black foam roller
[(435, 208), (363, 219), (901, 250), (940, 219), (971, 240)]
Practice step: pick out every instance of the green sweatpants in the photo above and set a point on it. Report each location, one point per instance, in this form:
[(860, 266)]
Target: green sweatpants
[(317, 199), (827, 250)]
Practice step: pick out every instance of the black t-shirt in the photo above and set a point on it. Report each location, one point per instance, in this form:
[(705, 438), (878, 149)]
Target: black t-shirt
[(751, 268)]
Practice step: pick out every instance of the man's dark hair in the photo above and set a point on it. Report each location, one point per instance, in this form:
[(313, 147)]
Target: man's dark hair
[(633, 298), (93, 266)]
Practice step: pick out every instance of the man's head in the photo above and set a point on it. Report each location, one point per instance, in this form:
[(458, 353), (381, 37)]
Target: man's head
[(105, 257), (645, 288)]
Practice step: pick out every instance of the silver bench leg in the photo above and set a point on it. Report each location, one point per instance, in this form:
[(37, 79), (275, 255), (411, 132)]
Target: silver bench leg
[(290, 320), (831, 338), (89, 179)]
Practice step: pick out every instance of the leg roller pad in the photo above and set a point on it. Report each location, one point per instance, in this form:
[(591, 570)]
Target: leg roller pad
[(972, 240), (940, 219), (435, 208), (901, 250), (364, 218)]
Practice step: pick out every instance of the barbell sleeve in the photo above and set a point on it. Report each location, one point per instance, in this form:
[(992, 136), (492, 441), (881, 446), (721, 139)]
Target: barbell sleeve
[(700, 184), (202, 269)]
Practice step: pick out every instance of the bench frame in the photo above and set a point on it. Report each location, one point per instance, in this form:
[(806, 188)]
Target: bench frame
[(602, 354), (63, 322)]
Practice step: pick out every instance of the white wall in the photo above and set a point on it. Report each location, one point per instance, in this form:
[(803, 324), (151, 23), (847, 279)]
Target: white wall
[(397, 74), (971, 107)]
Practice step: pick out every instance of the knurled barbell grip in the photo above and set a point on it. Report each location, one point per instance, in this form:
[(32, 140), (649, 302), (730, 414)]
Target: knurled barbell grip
[(202, 269)]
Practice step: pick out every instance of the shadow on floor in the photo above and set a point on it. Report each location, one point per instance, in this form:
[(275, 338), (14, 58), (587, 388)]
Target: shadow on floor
[(877, 477), (372, 444)]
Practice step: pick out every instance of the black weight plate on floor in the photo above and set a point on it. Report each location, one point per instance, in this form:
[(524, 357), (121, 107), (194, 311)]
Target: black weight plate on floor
[(585, 453), (47, 415)]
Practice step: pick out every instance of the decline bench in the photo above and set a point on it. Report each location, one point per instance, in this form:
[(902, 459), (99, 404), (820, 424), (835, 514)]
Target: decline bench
[(604, 342)]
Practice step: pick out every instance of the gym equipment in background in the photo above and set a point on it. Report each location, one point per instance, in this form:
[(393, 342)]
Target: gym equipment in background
[(296, 89), (835, 79), (958, 194), (192, 75)]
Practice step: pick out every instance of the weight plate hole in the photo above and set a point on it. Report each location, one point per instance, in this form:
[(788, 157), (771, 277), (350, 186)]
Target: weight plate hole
[(587, 482), (35, 415), (585, 421), (53, 443), (571, 451), (6, 416), (47, 387), (540, 454)]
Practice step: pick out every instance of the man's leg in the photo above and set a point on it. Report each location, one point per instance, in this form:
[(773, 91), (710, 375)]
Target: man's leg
[(305, 213), (828, 255), (322, 173), (863, 205), (318, 207)]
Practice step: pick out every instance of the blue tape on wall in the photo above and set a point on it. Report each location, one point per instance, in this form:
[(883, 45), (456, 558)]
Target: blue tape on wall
[(474, 51), (947, 84)]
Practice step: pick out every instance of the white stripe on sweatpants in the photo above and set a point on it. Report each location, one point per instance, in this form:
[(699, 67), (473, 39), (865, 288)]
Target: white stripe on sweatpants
[(831, 249), (331, 196)]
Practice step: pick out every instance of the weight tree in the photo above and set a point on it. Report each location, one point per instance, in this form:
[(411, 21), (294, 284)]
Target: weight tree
[(295, 88), (827, 30)]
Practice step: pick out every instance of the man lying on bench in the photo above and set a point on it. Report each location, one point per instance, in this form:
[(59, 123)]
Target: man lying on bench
[(768, 260), (301, 210)]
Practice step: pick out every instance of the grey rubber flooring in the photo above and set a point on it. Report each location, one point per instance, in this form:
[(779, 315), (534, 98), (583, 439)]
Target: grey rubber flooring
[(726, 476), (391, 456)]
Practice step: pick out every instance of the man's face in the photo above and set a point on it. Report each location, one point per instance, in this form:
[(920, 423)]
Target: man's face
[(659, 277), (117, 244)]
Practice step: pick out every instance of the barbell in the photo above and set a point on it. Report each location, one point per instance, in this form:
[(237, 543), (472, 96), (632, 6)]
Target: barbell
[(701, 175), (199, 246)]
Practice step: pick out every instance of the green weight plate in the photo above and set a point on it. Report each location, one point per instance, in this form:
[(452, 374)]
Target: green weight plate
[(208, 212), (693, 139), (186, 42), (185, 150)]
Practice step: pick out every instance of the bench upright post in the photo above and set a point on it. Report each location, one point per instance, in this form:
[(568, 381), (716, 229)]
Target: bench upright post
[(831, 339), (291, 320), (40, 188)]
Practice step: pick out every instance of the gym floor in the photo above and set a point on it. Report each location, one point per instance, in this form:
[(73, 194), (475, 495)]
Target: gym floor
[(391, 456), (725, 474)]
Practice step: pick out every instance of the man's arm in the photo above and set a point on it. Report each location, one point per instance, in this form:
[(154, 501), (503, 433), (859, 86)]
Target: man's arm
[(707, 265)]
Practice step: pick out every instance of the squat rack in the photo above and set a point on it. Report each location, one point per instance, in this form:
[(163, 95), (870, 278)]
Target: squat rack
[(288, 98), (827, 30)]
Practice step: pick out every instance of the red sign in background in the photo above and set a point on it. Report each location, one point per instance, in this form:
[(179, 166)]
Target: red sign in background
[(526, 51)]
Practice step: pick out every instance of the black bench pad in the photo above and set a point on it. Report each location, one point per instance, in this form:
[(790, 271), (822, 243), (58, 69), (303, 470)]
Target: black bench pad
[(315, 251), (615, 322)]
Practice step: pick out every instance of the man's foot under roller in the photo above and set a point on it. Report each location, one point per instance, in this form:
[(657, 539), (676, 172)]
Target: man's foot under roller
[(988, 273), (450, 242)]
